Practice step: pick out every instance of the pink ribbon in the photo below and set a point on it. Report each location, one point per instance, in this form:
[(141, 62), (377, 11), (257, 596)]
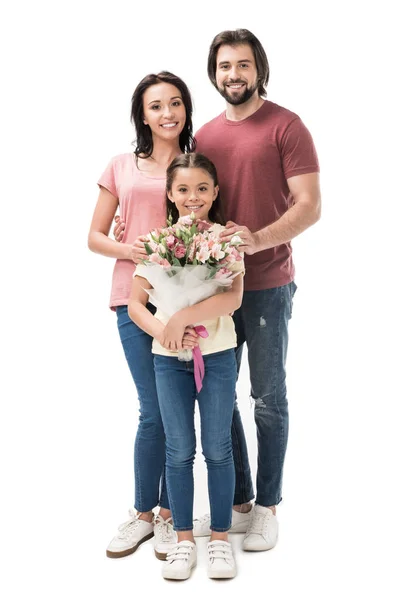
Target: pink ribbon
[(198, 361)]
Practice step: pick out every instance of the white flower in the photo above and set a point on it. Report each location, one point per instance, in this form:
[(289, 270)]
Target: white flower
[(236, 239)]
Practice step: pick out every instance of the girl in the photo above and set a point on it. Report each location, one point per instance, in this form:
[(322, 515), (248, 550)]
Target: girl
[(162, 115), (192, 186)]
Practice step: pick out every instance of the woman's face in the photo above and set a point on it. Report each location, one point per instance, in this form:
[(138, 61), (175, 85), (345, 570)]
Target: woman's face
[(164, 111)]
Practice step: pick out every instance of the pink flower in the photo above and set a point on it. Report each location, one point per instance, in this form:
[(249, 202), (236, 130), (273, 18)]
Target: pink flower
[(222, 273), (156, 258), (202, 225), (171, 241), (216, 252), (203, 254), (186, 220), (180, 251)]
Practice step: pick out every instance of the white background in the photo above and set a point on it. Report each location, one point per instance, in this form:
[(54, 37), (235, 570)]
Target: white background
[(69, 406)]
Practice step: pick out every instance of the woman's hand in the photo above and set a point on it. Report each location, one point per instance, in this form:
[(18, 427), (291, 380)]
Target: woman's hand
[(138, 251)]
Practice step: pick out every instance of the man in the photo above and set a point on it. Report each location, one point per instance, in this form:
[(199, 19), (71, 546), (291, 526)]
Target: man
[(268, 173)]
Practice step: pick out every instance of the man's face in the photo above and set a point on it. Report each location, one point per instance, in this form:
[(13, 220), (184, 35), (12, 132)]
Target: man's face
[(236, 73)]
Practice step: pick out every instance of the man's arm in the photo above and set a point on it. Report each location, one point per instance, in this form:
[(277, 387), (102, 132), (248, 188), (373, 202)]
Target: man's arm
[(305, 212)]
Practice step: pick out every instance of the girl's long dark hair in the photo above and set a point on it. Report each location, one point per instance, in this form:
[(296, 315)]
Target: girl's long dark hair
[(144, 140), (194, 160)]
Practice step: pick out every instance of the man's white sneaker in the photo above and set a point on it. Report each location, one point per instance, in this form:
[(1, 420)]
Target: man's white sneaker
[(262, 533), (240, 523), (221, 563), (130, 535), (180, 561), (164, 537)]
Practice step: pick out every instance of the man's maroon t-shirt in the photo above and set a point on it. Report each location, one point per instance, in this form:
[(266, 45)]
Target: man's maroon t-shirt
[(254, 158)]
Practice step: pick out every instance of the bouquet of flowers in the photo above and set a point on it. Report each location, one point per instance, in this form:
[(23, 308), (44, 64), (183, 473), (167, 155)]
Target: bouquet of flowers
[(187, 264)]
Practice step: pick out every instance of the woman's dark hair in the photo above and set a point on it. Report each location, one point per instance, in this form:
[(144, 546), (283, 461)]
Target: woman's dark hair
[(194, 160), (144, 140), (234, 38)]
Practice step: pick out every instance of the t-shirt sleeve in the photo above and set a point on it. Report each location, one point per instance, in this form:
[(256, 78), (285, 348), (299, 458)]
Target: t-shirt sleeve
[(140, 271), (107, 180), (299, 156)]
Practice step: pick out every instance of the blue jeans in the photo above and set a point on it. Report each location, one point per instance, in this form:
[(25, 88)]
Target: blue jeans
[(177, 395), (262, 322), (149, 456)]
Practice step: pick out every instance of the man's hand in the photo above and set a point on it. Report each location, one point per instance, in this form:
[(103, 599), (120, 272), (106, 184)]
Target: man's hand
[(119, 228), (250, 243)]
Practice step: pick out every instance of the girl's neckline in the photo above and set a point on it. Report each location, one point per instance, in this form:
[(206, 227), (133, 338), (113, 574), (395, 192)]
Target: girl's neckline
[(142, 172)]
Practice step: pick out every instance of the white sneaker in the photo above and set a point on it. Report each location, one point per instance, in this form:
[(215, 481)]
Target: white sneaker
[(262, 533), (221, 563), (131, 534), (164, 537), (180, 561), (240, 523)]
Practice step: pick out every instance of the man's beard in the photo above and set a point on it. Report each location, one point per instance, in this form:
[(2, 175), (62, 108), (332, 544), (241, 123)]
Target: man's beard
[(237, 97)]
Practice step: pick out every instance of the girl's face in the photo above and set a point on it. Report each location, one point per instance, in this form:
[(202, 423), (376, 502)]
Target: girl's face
[(164, 111), (193, 190)]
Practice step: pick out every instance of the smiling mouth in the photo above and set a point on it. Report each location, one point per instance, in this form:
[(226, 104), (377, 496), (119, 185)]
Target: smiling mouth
[(169, 125), (234, 86), (194, 207)]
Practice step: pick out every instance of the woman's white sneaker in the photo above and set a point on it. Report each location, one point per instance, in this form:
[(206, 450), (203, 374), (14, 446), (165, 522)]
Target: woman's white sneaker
[(180, 561), (240, 524), (262, 533), (221, 563), (130, 535), (164, 537)]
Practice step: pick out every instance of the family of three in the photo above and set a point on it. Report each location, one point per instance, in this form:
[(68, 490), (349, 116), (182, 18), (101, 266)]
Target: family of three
[(254, 170)]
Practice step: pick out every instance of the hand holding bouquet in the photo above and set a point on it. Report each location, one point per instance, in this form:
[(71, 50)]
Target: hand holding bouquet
[(187, 264)]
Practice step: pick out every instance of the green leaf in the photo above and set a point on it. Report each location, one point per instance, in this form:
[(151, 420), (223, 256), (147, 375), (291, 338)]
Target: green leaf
[(148, 249)]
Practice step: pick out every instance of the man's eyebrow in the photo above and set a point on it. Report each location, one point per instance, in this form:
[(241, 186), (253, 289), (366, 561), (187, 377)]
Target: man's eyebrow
[(227, 62)]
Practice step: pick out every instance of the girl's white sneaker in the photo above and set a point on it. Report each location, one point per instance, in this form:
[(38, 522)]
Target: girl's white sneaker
[(180, 561), (221, 562)]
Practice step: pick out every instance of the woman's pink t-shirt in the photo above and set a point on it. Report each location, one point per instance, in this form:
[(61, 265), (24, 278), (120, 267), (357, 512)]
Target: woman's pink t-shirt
[(142, 206)]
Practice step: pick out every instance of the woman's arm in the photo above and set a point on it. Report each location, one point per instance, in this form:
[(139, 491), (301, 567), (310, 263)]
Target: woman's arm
[(98, 240), (212, 308)]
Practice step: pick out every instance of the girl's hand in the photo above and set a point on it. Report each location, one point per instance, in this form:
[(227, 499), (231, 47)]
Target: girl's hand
[(119, 228), (172, 336), (138, 251), (190, 338)]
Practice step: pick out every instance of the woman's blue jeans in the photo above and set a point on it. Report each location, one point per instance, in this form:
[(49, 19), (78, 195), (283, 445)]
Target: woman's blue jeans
[(177, 395), (149, 455)]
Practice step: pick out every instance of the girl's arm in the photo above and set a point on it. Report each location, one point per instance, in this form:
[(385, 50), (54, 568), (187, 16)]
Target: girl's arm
[(212, 308), (146, 320), (98, 240), (137, 309)]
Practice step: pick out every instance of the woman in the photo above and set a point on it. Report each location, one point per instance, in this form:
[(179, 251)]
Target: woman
[(162, 115)]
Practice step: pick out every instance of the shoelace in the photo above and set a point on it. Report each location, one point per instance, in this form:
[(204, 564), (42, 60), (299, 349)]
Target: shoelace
[(180, 552), (258, 522), (129, 526), (219, 550), (163, 529), (203, 519)]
